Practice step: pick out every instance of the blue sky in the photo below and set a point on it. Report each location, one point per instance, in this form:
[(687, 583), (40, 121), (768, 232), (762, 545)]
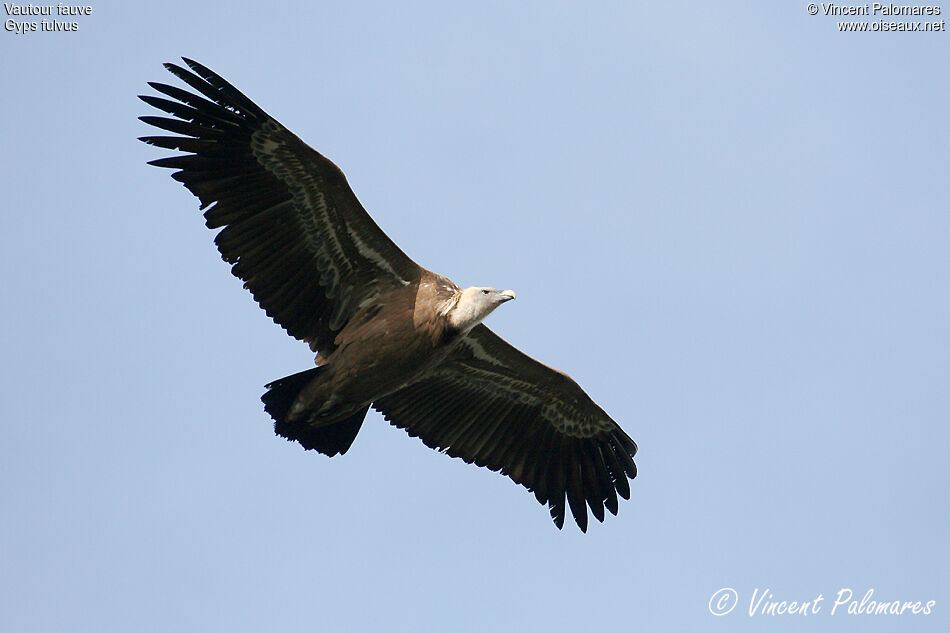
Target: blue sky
[(729, 223)]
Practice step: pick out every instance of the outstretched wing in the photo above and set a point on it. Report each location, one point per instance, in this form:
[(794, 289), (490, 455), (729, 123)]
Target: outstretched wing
[(293, 230), (490, 404)]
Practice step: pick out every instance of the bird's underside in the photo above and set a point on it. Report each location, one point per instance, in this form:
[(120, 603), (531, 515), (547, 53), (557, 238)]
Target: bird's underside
[(390, 334)]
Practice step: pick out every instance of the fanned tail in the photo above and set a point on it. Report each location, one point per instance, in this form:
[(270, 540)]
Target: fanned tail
[(330, 438)]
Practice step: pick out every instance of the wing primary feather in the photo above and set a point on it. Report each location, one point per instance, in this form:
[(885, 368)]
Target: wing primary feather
[(207, 90), (189, 113), (206, 107), (188, 162), (616, 470), (172, 162), (557, 490), (624, 452), (575, 483), (178, 126), (181, 143), (231, 94), (589, 476), (610, 492), (600, 475), (214, 171)]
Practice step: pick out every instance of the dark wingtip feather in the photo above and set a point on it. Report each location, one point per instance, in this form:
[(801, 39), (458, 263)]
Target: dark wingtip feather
[(199, 69), (190, 78), (166, 163), (626, 461), (557, 513), (224, 89), (178, 71), (575, 500)]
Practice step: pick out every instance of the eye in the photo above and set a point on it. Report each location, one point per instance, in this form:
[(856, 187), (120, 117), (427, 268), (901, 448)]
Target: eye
[(484, 292)]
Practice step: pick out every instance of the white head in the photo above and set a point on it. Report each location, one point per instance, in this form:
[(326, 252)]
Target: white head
[(474, 304)]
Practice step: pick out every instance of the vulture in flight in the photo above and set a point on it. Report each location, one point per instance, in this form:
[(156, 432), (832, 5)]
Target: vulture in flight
[(389, 334)]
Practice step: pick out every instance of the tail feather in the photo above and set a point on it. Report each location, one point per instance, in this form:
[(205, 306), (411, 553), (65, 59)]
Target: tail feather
[(333, 438), (282, 393)]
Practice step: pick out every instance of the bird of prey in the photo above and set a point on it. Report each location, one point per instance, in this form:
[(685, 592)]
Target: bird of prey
[(389, 334)]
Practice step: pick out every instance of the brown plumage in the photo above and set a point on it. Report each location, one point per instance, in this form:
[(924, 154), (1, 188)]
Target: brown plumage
[(389, 333)]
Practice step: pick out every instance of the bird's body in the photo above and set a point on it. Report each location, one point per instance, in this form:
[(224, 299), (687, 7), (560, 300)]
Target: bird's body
[(390, 334), (388, 344)]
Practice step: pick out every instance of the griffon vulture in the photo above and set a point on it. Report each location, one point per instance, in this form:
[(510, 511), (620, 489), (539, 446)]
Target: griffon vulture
[(390, 334)]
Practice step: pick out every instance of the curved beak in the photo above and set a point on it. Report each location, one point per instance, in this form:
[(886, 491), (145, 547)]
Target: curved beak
[(507, 295)]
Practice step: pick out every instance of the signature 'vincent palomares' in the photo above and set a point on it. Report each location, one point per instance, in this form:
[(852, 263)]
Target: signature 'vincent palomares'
[(389, 333)]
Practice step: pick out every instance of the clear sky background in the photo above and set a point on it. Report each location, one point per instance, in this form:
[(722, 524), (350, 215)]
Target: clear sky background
[(728, 221)]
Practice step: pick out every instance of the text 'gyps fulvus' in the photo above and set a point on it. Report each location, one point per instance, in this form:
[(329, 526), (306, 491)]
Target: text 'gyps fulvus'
[(390, 334)]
